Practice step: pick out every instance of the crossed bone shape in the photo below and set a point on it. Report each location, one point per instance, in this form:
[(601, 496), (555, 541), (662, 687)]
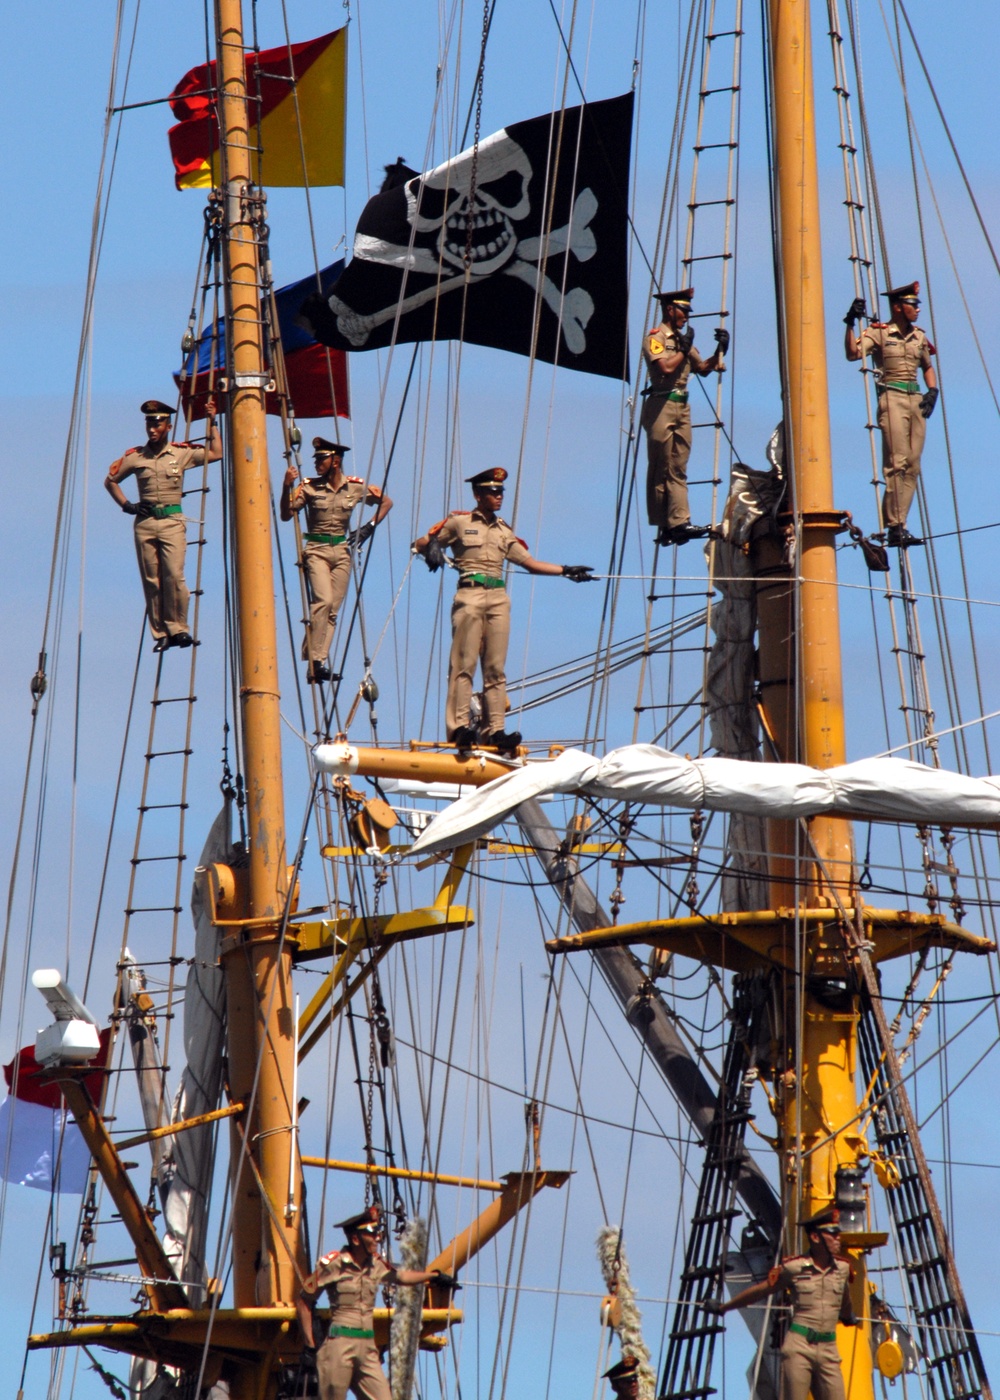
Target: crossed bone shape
[(574, 308)]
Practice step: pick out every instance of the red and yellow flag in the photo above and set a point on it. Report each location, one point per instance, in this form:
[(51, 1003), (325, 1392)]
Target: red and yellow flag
[(287, 118)]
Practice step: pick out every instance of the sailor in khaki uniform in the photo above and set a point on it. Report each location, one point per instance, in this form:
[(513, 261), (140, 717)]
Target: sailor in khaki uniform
[(671, 358), (160, 541), (898, 349), (328, 500), (624, 1378), (348, 1358), (481, 544), (819, 1283)]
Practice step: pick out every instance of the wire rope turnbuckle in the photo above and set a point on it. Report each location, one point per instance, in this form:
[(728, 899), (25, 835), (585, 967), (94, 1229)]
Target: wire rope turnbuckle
[(691, 890), (39, 683), (617, 898)]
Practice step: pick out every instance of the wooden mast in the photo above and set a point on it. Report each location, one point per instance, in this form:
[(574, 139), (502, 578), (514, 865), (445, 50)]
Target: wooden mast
[(258, 958), (818, 1106)]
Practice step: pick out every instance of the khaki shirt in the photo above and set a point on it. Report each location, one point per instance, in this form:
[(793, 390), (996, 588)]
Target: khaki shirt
[(817, 1294), (663, 340), (328, 508), (479, 546), (350, 1287), (897, 354), (159, 474)]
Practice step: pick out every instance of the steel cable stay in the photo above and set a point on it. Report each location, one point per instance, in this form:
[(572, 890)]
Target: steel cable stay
[(55, 595), (977, 845), (55, 607)]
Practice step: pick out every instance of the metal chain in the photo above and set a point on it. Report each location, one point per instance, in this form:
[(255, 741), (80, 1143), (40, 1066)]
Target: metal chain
[(691, 887), (470, 223)]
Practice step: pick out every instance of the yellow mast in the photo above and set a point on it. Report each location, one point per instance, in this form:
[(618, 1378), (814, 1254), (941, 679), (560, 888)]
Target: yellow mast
[(258, 958), (818, 1104)]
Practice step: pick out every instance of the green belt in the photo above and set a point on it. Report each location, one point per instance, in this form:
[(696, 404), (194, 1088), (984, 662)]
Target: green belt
[(905, 386), (325, 539), (810, 1334), (364, 1333), (161, 512), (671, 395), (480, 581)]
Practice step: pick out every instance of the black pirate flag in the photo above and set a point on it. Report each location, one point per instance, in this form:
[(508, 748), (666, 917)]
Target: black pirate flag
[(539, 213)]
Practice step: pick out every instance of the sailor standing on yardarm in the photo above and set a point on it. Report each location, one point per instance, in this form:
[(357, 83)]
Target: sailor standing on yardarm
[(671, 358), (898, 348), (160, 539), (328, 500), (348, 1359), (482, 544)]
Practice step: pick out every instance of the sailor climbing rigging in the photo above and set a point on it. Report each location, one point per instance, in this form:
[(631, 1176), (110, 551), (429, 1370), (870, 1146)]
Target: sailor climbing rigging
[(347, 1359), (160, 541), (328, 500), (898, 348), (671, 358), (481, 543)]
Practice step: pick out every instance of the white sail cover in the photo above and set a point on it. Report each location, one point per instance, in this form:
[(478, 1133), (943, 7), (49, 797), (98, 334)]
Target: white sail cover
[(888, 789)]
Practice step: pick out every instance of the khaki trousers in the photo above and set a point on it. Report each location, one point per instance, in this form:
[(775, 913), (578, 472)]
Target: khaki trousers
[(668, 447), (328, 569), (810, 1366), (350, 1363), (160, 546), (480, 630), (904, 428)]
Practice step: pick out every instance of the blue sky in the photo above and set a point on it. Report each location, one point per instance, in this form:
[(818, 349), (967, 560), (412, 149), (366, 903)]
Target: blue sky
[(53, 101)]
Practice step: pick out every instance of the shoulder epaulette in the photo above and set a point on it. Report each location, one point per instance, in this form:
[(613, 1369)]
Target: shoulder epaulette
[(522, 543), (439, 526), (875, 326), (133, 449), (358, 479), (328, 1258), (182, 444)]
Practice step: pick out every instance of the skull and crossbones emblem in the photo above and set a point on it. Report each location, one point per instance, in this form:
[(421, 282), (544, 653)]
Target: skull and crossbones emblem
[(469, 208)]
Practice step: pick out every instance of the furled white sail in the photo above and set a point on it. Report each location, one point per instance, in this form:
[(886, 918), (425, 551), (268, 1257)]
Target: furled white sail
[(185, 1210), (888, 789)]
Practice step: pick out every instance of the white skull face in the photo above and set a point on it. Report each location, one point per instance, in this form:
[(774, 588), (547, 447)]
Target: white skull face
[(438, 203)]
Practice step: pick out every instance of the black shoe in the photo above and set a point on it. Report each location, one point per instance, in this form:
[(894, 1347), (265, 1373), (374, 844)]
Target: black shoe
[(899, 537), (463, 737), (161, 643), (182, 639), (680, 534), (318, 671), (505, 742)]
